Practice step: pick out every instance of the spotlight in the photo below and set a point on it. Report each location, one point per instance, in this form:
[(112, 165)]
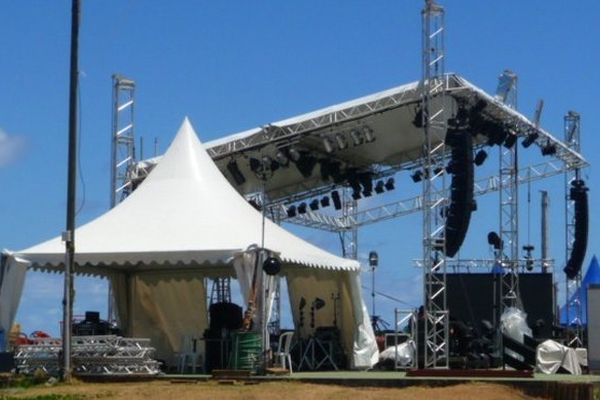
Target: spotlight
[(269, 164), (510, 141), (549, 149), (494, 240), (341, 141), (294, 154), (255, 165), (291, 211), (314, 205), (255, 204), (305, 164), (325, 201), (327, 145), (532, 137), (390, 184), (373, 259), (282, 159), (302, 208), (417, 176), (337, 203), (418, 119), (354, 183), (367, 183), (235, 172), (480, 157), (356, 137), (368, 134), (379, 187)]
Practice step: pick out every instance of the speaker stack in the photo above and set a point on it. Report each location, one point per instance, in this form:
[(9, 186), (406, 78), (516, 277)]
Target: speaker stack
[(578, 194), (458, 213)]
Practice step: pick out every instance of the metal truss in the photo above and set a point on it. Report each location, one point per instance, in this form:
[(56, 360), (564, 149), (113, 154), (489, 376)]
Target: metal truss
[(349, 235), (400, 208), (123, 139), (406, 330), (508, 254), (573, 286), (436, 349), (221, 290), (92, 355), (523, 264)]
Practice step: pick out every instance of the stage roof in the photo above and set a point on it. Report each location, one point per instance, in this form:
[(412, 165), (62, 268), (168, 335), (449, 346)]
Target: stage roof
[(381, 122)]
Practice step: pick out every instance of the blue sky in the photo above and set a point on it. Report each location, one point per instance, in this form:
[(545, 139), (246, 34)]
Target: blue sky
[(235, 65)]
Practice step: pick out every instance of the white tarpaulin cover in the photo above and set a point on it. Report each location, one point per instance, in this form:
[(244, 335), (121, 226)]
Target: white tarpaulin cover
[(185, 215), (551, 355)]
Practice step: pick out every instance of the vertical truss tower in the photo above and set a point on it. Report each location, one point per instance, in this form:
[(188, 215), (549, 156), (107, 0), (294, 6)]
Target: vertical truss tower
[(572, 286), (434, 186), (349, 237), (508, 256), (123, 139)]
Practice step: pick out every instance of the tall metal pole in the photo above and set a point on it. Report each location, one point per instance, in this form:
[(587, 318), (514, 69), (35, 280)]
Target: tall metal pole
[(545, 231), (69, 235)]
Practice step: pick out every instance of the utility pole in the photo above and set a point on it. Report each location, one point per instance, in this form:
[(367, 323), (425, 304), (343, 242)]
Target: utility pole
[(69, 235)]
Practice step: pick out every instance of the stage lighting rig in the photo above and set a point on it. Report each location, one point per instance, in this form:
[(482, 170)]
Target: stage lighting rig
[(379, 187), (302, 208), (368, 134), (325, 201), (390, 184), (291, 211), (314, 205), (530, 139), (480, 157), (417, 176), (494, 240), (510, 141), (357, 139), (337, 202), (548, 149), (341, 141), (235, 172), (328, 145)]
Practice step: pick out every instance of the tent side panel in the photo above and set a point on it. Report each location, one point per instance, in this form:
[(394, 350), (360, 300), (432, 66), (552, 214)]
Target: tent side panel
[(12, 280), (165, 307)]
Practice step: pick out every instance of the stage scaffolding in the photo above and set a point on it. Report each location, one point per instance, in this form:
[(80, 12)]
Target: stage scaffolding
[(574, 310)]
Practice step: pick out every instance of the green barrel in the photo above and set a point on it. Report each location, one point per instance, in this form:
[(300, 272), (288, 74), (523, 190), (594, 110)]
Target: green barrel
[(246, 351)]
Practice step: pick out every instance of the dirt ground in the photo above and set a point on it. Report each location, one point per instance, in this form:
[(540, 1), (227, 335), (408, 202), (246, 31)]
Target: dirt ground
[(262, 391)]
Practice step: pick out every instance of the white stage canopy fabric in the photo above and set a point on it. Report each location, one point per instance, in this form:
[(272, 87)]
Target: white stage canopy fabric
[(184, 217)]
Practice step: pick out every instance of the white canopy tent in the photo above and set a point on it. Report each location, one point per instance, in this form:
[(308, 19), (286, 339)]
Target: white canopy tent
[(184, 223)]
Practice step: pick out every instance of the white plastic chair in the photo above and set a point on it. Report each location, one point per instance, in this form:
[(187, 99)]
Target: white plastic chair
[(190, 356), (283, 350)]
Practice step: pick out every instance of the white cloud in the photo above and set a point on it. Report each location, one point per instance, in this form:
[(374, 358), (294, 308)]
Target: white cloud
[(11, 147)]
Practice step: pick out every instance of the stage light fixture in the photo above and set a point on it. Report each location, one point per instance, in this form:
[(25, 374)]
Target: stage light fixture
[(418, 119), (255, 204), (373, 259), (324, 201), (235, 172), (366, 182), (341, 141), (328, 145), (390, 184), (335, 197), (417, 176), (269, 164), (294, 154), (291, 211), (494, 240), (480, 157), (314, 205), (302, 208), (255, 165), (282, 159), (357, 139), (510, 141), (532, 137), (379, 187), (368, 134), (305, 164), (548, 149)]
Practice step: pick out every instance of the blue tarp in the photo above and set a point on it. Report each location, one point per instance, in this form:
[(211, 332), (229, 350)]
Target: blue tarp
[(591, 276)]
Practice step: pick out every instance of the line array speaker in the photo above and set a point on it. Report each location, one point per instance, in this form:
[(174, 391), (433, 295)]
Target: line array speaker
[(578, 194)]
